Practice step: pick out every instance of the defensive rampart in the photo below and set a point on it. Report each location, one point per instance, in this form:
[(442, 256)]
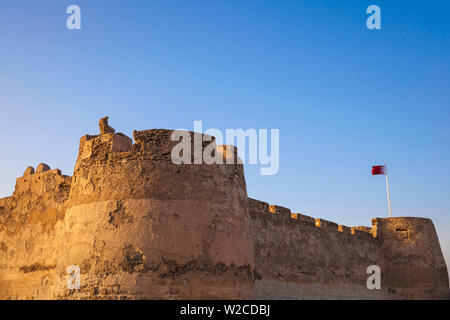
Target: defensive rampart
[(299, 257), (138, 226)]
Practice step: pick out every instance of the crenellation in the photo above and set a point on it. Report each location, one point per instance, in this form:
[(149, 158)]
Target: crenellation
[(146, 136), (42, 167), (121, 143), (344, 229), (42, 183), (279, 209), (105, 128), (331, 225), (364, 229), (261, 207), (360, 233), (318, 222)]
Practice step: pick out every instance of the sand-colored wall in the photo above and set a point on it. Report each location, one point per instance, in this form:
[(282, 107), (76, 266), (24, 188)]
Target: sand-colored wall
[(411, 257), (28, 238), (300, 257), (141, 227)]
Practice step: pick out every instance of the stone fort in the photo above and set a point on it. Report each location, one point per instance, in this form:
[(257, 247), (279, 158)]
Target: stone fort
[(141, 227)]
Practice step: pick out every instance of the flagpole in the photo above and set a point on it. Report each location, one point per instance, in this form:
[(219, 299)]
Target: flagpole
[(387, 188)]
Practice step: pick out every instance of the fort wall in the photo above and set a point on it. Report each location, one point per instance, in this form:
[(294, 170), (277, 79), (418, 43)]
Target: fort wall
[(412, 257), (300, 257), (28, 239), (141, 227), (184, 229)]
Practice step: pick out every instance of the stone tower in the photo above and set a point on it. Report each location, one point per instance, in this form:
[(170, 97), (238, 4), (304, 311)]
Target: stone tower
[(141, 227)]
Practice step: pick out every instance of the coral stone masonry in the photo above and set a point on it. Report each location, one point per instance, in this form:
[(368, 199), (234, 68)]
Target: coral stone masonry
[(138, 226)]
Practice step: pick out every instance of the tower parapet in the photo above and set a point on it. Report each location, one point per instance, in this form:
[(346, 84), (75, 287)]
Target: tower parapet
[(299, 257), (28, 232), (412, 257)]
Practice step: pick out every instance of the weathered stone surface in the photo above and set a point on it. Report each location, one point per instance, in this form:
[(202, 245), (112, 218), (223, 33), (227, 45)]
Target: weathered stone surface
[(306, 259), (141, 227), (188, 223), (29, 171), (278, 209), (121, 143), (412, 254), (42, 167), (105, 128), (28, 234)]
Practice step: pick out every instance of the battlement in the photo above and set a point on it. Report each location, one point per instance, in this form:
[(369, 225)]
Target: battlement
[(110, 166), (152, 145), (258, 208), (294, 251)]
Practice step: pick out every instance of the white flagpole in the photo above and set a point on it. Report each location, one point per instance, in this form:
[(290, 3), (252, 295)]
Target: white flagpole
[(387, 188)]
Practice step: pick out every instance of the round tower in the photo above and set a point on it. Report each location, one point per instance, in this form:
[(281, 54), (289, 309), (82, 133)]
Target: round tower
[(138, 226)]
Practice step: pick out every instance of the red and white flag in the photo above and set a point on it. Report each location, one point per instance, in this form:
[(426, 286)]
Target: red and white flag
[(376, 170), (381, 170)]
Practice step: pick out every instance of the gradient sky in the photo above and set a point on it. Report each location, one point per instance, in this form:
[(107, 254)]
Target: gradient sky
[(343, 97)]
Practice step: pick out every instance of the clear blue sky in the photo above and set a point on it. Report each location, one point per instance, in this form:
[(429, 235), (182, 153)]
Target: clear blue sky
[(344, 97)]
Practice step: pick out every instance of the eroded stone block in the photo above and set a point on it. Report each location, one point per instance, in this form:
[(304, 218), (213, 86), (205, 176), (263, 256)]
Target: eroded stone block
[(42, 167)]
